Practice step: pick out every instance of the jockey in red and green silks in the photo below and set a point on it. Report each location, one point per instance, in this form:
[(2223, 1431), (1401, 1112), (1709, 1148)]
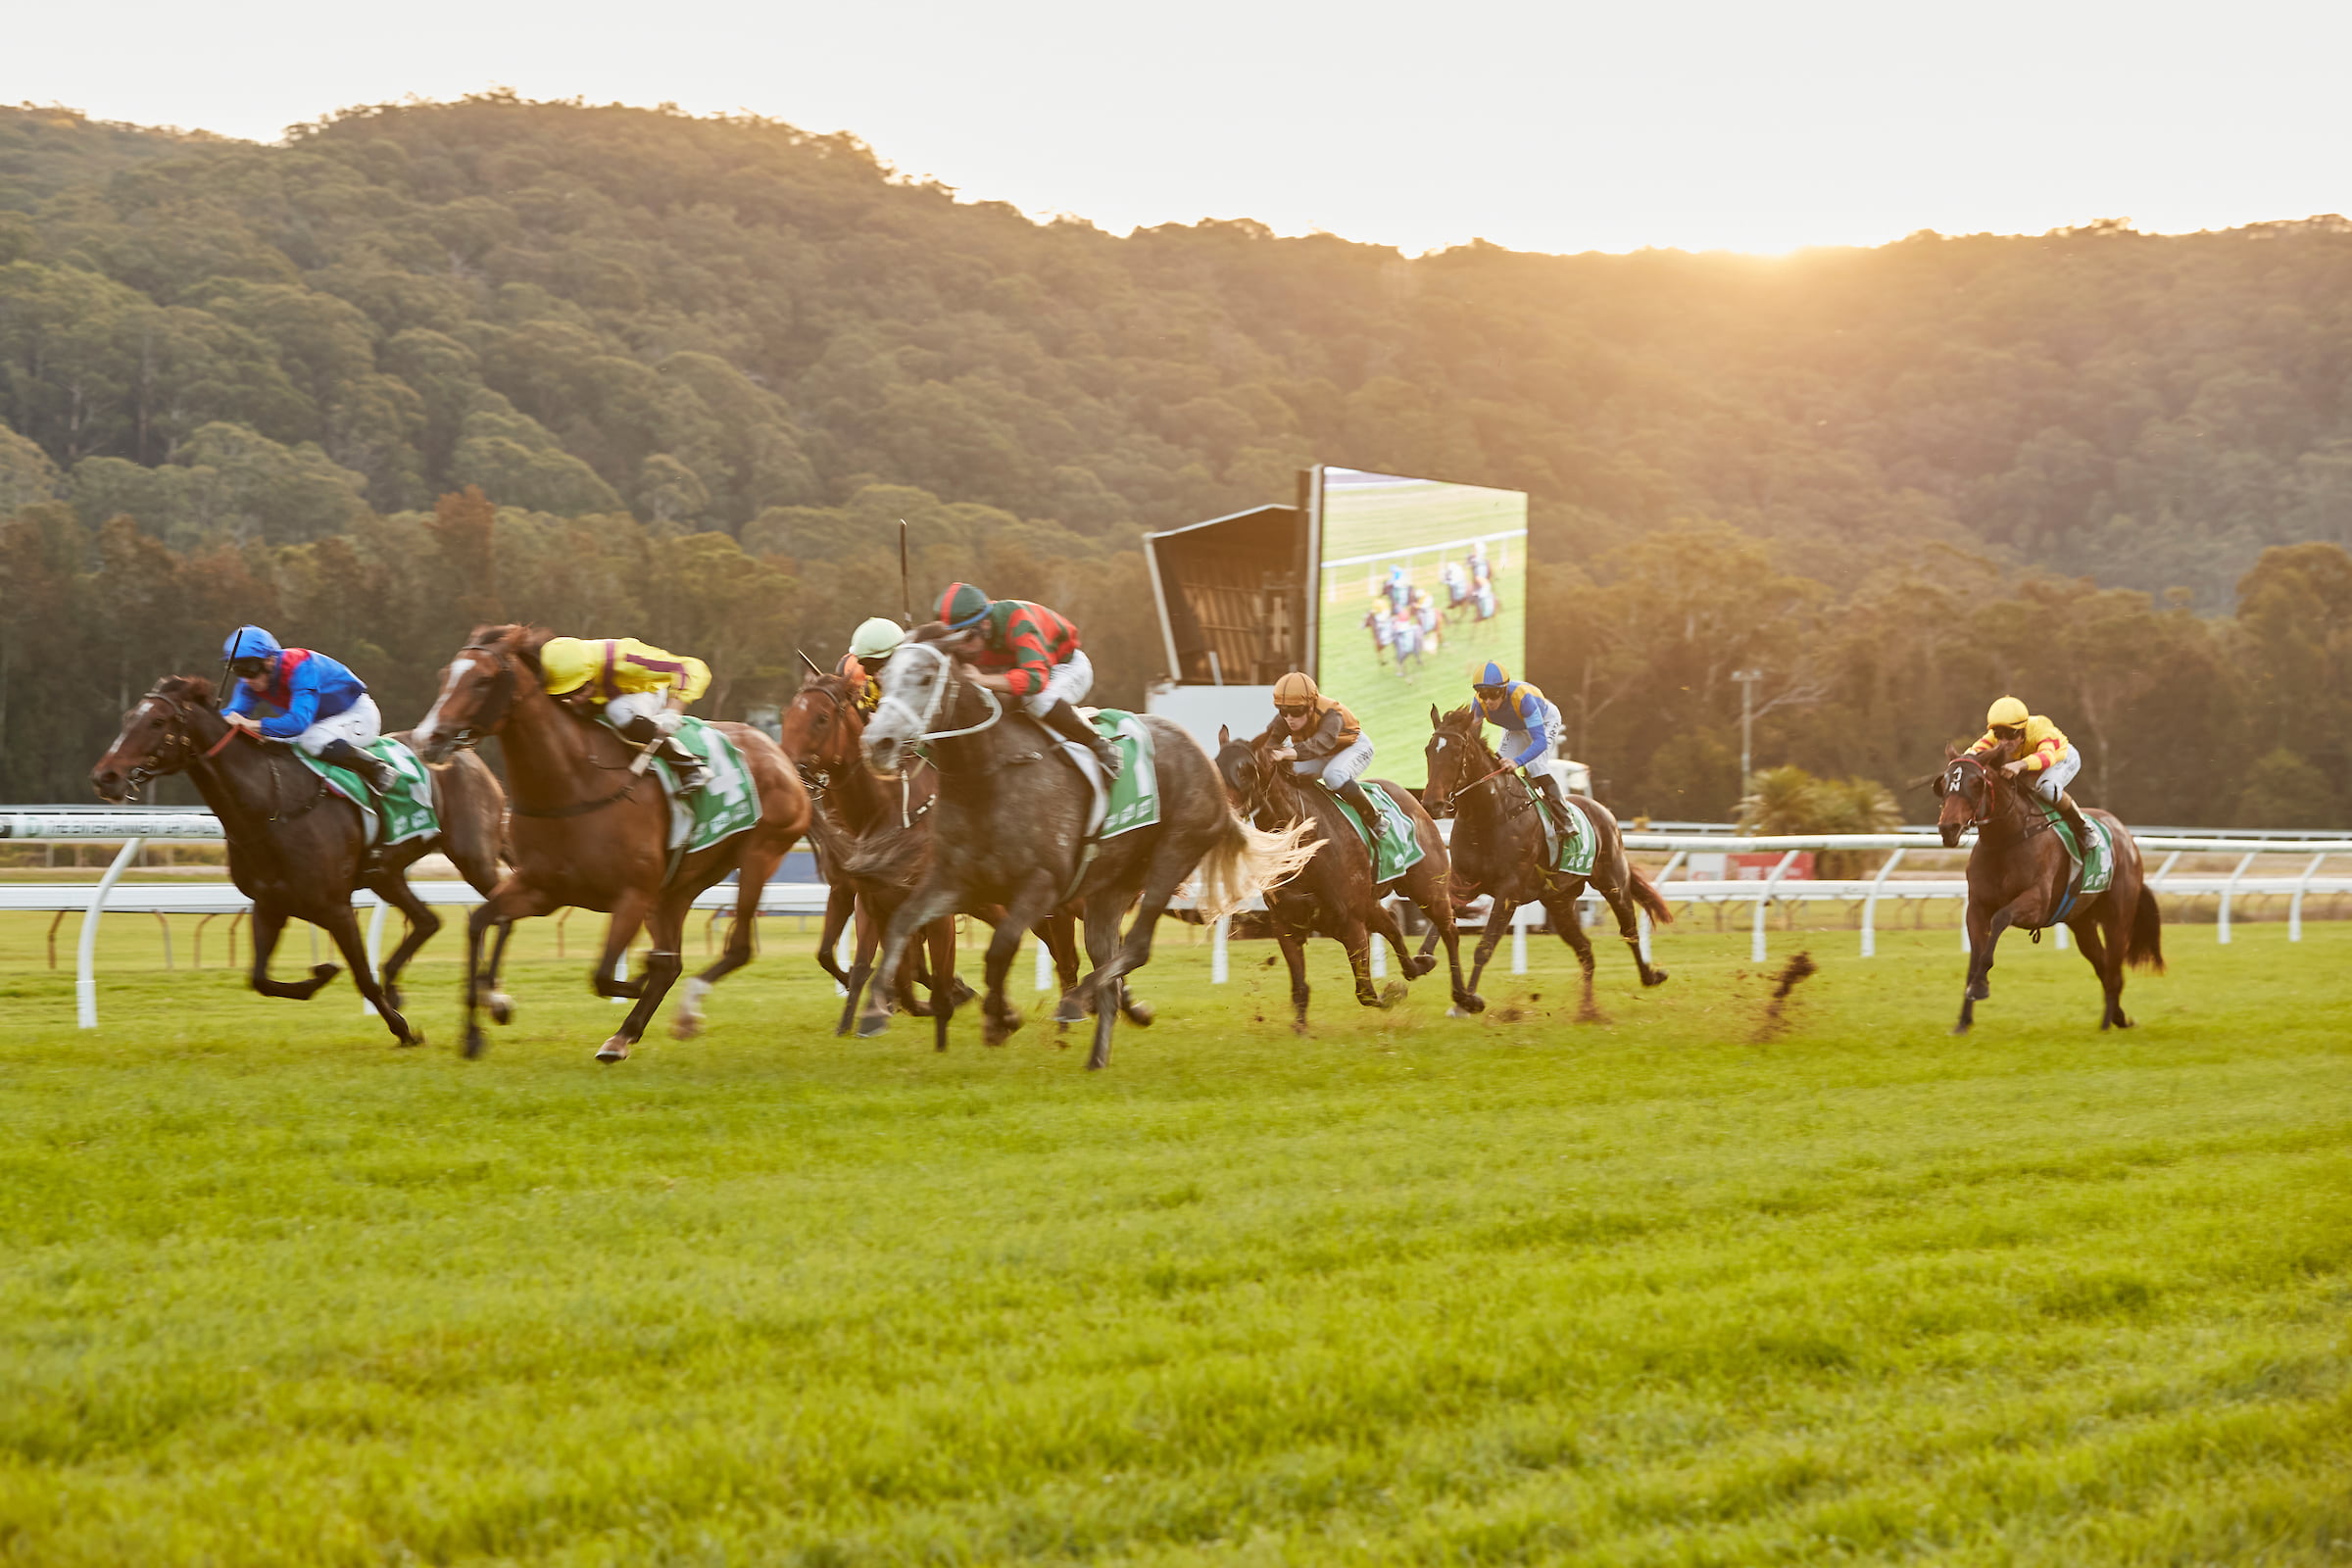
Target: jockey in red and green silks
[(1028, 651), (1531, 730)]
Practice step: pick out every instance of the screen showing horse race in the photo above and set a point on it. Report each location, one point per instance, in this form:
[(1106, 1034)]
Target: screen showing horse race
[(1418, 580)]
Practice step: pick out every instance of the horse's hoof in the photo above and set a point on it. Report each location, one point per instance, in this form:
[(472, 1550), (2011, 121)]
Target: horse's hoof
[(683, 1027), (1589, 1014), (501, 1007), (1298, 1027), (871, 1024), (1657, 977), (408, 1041), (1071, 1011), (475, 1044), (1959, 1028), (1391, 993), (1981, 990), (1138, 1014), (323, 973), (1415, 968), (964, 992), (612, 1051)]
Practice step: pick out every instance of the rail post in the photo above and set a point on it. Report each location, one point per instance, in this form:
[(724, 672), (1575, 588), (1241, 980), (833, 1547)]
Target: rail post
[(85, 967), (2294, 907), (1044, 966), (1869, 905), (1219, 960), (1519, 923), (1641, 920), (2221, 929), (1764, 904), (376, 949)]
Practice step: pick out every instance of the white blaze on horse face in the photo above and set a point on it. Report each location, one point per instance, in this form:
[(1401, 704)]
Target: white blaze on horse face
[(456, 673)]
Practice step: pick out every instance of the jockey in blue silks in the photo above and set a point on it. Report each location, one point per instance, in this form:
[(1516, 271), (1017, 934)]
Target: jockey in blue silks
[(1531, 731), (311, 702)]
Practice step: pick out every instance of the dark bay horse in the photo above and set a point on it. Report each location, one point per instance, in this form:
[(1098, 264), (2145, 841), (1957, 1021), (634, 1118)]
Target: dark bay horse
[(589, 833), (1334, 895), (876, 840), (1499, 850), (295, 848), (2017, 874), (1009, 828)]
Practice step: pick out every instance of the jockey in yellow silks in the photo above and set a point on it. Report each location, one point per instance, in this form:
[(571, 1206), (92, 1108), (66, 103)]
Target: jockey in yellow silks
[(642, 688), (2049, 762)]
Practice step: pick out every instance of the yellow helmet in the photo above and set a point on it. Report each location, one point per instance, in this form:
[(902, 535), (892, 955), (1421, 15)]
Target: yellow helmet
[(2008, 713), (566, 663), (1294, 688)]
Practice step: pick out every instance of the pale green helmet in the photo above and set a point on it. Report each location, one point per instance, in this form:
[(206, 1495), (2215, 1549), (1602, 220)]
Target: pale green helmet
[(877, 639)]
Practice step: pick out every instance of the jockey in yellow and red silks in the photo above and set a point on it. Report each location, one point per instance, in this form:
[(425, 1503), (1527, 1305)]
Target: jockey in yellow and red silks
[(1531, 730), (643, 691), (2047, 763)]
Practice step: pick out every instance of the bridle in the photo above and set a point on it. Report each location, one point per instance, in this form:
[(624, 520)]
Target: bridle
[(923, 720), (180, 749), (1454, 795), (495, 707), (815, 775), (1955, 782)]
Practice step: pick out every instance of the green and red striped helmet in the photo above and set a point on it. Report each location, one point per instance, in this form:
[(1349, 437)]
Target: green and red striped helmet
[(962, 606)]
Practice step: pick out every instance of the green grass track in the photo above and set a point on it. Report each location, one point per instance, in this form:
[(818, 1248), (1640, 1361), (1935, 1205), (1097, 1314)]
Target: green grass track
[(1667, 1290)]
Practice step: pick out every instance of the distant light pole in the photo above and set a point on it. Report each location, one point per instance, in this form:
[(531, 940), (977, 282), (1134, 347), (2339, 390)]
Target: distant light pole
[(1748, 679)]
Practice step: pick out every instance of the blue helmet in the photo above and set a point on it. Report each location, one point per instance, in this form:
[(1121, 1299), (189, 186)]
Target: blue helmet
[(1492, 675), (248, 642)]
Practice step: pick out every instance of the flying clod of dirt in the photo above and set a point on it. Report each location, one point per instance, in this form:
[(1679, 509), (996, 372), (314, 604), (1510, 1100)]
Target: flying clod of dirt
[(1795, 970)]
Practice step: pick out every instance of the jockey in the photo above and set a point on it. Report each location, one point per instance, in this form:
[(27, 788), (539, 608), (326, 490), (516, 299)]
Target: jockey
[(2052, 763), (319, 705), (870, 648), (1028, 651), (1321, 739), (642, 689), (1531, 727)]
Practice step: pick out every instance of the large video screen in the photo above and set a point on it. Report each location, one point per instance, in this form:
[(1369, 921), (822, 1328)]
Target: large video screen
[(1417, 581)]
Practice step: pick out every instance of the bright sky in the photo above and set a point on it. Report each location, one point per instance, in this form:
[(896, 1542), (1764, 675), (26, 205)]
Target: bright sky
[(1560, 126)]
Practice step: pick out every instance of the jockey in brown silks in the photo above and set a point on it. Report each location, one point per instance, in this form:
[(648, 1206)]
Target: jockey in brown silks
[(2049, 762), (1320, 738), (1029, 652), (642, 689)]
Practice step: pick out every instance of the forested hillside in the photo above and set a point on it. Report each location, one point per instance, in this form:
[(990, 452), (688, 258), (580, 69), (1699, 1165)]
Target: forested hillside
[(692, 370)]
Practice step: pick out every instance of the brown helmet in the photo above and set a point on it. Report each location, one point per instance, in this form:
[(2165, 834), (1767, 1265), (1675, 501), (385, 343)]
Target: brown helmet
[(1296, 690)]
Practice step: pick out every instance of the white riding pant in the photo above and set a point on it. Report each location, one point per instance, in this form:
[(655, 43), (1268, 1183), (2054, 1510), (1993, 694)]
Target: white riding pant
[(1547, 760), (359, 724), (629, 705), (2051, 781), (1342, 767), (1067, 683)]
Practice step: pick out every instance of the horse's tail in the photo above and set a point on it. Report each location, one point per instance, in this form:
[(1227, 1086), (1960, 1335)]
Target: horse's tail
[(1646, 894), (1246, 861), (2145, 948)]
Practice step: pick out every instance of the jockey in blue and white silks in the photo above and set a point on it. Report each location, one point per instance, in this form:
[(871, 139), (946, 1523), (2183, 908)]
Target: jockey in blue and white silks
[(310, 700), (1531, 729)]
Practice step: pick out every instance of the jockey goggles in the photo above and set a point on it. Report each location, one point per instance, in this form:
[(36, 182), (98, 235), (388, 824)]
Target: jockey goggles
[(1293, 710), (247, 668)]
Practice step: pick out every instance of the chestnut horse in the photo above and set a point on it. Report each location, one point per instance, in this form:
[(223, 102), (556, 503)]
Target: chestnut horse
[(2017, 875), (1498, 849), (877, 839), (1335, 895), (297, 848), (592, 834)]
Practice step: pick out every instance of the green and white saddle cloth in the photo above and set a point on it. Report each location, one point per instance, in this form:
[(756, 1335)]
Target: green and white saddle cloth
[(405, 813), (1133, 800), (727, 805), (1397, 849), (1570, 853), (2094, 871)]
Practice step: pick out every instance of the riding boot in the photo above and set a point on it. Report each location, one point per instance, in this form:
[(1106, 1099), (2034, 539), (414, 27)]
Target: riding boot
[(381, 776), (1063, 719), (1353, 794), (691, 773), (1549, 788), (2073, 813)]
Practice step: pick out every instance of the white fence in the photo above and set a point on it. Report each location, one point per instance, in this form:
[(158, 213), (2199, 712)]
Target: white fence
[(134, 825)]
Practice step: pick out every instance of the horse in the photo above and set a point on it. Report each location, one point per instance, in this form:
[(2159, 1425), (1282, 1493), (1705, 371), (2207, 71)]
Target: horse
[(580, 840), (297, 848), (2017, 875), (1009, 828), (1335, 895), (1498, 849), (875, 841)]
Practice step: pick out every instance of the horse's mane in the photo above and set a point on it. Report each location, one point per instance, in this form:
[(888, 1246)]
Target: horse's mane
[(932, 631), (185, 688), (524, 642), (1464, 722)]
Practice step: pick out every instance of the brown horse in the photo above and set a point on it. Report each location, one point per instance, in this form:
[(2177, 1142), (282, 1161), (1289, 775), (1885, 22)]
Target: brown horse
[(297, 848), (1335, 895), (876, 840), (1499, 850), (590, 833), (2017, 875)]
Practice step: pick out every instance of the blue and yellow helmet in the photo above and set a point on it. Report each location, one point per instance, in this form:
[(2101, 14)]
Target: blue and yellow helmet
[(1493, 675)]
